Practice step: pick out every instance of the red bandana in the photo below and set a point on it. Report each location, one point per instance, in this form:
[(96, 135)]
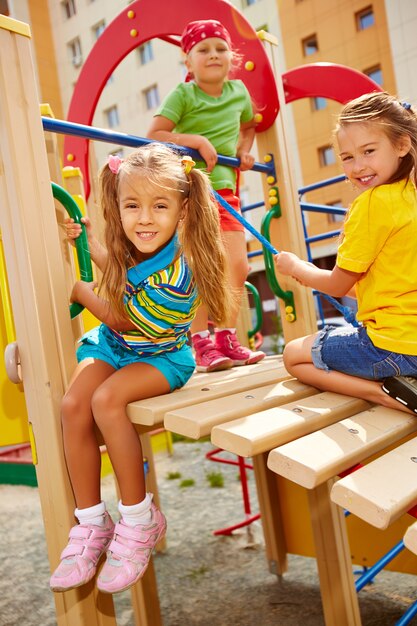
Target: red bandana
[(195, 32)]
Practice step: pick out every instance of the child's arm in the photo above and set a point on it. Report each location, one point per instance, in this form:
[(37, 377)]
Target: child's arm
[(161, 130), (246, 137), (98, 252), (336, 282), (83, 293)]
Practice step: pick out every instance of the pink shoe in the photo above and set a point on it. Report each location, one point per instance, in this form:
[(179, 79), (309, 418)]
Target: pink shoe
[(87, 543), (207, 356), (228, 344), (129, 553)]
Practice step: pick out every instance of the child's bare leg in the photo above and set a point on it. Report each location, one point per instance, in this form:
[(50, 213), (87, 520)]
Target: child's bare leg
[(133, 382), (235, 245), (200, 322), (298, 362), (81, 447)]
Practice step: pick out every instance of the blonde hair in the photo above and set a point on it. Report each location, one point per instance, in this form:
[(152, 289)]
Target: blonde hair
[(395, 118), (198, 232)]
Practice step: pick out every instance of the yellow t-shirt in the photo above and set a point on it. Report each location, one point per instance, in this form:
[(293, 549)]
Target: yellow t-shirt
[(380, 241)]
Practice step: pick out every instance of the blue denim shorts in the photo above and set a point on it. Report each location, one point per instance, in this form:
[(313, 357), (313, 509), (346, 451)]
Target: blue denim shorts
[(349, 350), (99, 343)]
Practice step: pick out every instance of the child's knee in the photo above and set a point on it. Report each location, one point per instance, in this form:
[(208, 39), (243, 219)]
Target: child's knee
[(288, 356)]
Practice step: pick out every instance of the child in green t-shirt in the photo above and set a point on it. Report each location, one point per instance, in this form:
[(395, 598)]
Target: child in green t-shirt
[(213, 114)]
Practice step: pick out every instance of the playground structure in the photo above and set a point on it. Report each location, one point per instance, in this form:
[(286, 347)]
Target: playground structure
[(249, 412)]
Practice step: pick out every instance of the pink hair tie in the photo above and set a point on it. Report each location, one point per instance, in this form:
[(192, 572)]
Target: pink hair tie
[(114, 163)]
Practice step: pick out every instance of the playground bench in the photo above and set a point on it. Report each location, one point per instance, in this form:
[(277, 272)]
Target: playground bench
[(307, 439)]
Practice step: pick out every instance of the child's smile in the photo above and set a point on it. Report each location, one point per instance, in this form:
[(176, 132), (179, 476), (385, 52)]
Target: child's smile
[(150, 213)]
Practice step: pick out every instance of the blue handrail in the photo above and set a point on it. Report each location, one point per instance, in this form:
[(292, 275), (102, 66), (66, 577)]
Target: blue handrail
[(124, 139)]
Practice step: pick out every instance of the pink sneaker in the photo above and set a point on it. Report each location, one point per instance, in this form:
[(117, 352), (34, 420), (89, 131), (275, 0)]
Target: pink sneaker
[(129, 553), (207, 356), (87, 543), (228, 344)]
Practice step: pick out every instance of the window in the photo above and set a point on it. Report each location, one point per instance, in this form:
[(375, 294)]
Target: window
[(310, 45), (375, 73), (112, 117), (151, 97), (327, 156), (334, 217), (68, 8), (98, 29), (75, 52), (365, 18), (146, 53), (319, 103), (4, 7)]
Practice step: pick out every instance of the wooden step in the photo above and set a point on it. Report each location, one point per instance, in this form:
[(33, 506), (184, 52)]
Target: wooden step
[(383, 490), (314, 458), (260, 432), (202, 387), (196, 422)]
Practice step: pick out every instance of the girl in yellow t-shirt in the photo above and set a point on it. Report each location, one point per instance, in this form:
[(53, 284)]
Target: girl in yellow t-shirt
[(377, 259)]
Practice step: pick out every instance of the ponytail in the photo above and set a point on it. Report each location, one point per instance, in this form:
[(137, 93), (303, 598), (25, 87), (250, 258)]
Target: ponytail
[(201, 242)]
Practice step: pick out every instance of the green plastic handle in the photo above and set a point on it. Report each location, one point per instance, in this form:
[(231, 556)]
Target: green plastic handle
[(81, 243), (258, 309), (286, 296)]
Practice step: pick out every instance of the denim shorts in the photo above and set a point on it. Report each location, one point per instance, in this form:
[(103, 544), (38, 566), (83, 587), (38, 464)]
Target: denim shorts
[(99, 343), (349, 350)]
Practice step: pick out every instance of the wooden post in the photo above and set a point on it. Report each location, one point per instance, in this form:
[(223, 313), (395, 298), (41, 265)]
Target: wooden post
[(40, 305), (338, 594), (286, 231)]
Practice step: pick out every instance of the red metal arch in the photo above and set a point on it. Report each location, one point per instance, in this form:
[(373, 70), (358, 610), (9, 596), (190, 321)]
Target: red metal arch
[(328, 80), (137, 24)]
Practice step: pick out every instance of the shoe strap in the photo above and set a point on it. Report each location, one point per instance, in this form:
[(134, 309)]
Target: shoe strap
[(72, 549), (131, 532), (87, 532)]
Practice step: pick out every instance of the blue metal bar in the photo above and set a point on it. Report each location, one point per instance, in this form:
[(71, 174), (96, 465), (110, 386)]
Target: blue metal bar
[(328, 235), (123, 139), (322, 208), (254, 253), (250, 207), (371, 572), (408, 615), (322, 183)]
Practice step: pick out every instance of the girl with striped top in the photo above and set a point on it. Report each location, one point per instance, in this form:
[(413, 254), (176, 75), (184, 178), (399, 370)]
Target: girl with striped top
[(163, 256)]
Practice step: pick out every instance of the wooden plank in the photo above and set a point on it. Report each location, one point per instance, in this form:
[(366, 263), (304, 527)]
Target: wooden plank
[(263, 431), (383, 490), (200, 388), (410, 538), (314, 458), (198, 422)]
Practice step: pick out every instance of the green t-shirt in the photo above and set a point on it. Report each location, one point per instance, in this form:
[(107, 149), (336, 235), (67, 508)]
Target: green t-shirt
[(218, 119)]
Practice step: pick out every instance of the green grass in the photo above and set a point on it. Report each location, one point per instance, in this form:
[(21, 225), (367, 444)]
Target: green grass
[(216, 479), (195, 573), (173, 475), (181, 439), (187, 482)]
